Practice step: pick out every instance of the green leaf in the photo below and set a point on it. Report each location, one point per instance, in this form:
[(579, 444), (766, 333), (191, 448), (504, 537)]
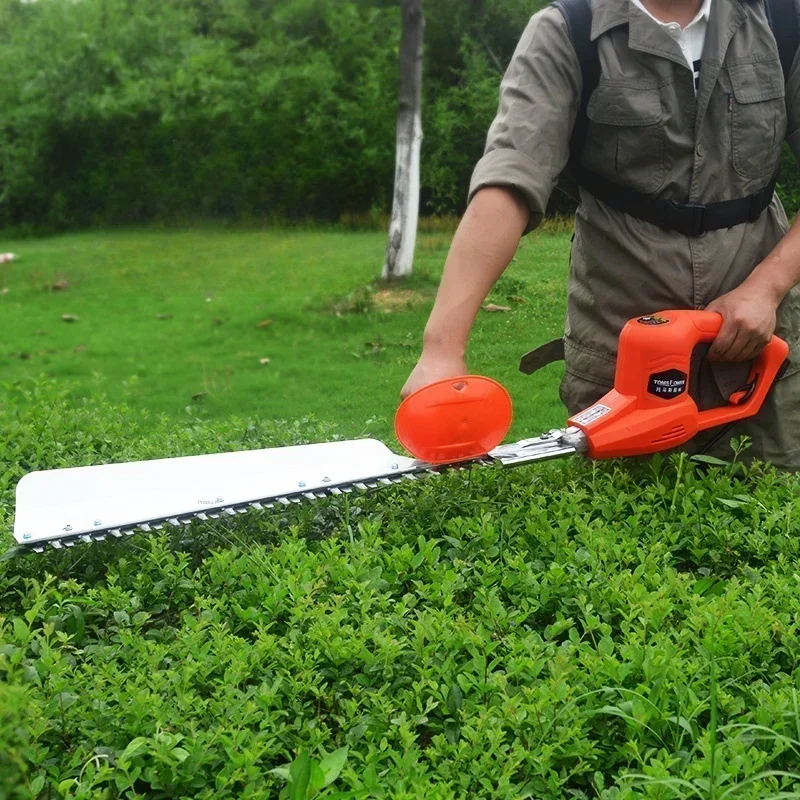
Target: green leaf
[(452, 731), (300, 776), (21, 630), (122, 618), (180, 754), (66, 699), (13, 552), (704, 459), (605, 646), (730, 503), (317, 781), (134, 748), (37, 784), (280, 772), (710, 587), (333, 763), (454, 699)]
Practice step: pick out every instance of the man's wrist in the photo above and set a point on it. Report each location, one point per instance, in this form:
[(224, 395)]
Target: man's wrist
[(444, 343), (766, 282)]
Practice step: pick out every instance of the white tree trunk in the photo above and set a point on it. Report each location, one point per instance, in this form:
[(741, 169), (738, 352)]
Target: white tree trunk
[(405, 206)]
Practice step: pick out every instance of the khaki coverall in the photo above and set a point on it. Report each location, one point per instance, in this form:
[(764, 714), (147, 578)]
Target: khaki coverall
[(650, 132)]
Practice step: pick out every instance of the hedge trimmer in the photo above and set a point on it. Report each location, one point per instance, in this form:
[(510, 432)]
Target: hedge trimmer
[(451, 424)]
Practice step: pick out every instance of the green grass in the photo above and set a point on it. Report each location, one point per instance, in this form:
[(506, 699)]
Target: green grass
[(169, 320)]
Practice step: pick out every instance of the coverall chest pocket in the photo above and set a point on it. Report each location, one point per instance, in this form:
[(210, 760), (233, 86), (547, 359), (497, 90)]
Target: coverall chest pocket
[(758, 117), (626, 138)]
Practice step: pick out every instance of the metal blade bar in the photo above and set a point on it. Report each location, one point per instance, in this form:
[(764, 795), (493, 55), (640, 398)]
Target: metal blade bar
[(267, 503), (549, 446)]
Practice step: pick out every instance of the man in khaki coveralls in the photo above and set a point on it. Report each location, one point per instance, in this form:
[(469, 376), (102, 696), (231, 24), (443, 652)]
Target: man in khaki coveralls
[(653, 129)]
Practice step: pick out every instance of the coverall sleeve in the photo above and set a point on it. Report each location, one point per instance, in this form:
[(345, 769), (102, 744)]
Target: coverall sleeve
[(793, 100), (528, 143)]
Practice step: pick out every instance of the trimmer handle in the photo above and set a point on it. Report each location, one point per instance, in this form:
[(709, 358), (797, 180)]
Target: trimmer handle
[(650, 408), (747, 401)]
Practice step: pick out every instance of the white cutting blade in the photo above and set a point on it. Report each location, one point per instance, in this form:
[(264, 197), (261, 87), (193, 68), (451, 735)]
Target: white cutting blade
[(67, 503)]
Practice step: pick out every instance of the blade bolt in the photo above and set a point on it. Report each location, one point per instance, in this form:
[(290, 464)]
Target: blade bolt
[(395, 466), (302, 484)]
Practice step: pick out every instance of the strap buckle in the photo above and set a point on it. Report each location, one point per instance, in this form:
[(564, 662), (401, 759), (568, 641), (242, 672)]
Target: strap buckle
[(691, 220)]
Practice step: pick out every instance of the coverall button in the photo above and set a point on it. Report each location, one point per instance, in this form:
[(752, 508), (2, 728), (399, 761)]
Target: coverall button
[(701, 151)]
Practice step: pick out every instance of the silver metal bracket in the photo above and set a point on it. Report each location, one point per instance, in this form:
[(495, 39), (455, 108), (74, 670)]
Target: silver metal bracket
[(555, 444)]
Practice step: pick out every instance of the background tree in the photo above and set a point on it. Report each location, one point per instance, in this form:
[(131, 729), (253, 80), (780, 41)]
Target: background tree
[(405, 207)]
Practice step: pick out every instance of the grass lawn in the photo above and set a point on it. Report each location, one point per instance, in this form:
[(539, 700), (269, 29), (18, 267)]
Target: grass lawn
[(170, 320)]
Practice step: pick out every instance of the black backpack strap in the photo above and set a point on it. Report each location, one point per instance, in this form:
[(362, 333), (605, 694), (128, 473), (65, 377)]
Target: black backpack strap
[(578, 16), (782, 18)]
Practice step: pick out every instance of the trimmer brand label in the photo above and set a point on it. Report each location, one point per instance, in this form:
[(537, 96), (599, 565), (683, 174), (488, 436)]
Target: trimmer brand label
[(652, 320), (591, 414), (668, 384)]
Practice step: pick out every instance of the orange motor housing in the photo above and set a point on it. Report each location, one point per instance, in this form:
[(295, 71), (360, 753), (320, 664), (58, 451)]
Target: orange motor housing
[(650, 409)]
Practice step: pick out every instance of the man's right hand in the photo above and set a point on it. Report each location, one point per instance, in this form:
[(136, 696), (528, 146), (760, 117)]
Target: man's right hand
[(433, 367)]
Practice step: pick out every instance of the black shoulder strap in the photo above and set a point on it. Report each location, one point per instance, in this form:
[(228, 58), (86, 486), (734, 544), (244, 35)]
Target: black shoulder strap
[(578, 16), (782, 18)]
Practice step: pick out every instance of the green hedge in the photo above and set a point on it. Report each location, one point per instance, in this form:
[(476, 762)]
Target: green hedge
[(563, 630)]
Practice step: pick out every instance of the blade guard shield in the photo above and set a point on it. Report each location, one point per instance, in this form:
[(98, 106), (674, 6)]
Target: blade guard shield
[(454, 420), (650, 409)]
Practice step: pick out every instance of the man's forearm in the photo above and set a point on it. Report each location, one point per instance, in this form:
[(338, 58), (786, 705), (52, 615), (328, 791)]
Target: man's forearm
[(779, 272), (482, 248)]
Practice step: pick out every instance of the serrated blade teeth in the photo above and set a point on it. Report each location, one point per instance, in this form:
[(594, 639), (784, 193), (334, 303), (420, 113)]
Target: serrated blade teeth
[(295, 497)]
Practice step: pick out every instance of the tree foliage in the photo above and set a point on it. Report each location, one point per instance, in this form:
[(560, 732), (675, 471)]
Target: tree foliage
[(128, 110), (123, 110)]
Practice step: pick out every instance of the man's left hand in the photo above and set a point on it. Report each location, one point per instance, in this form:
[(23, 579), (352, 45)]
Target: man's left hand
[(749, 317)]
